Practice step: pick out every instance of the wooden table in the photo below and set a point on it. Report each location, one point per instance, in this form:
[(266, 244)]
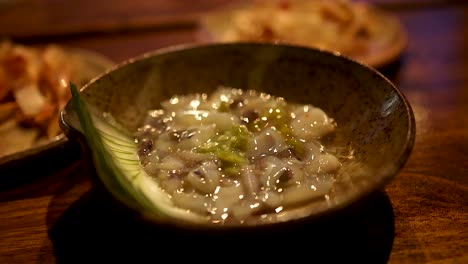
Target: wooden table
[(54, 215)]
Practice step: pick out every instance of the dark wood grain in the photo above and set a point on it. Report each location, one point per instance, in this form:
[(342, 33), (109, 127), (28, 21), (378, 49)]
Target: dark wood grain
[(430, 196), (30, 18), (26, 19), (420, 217)]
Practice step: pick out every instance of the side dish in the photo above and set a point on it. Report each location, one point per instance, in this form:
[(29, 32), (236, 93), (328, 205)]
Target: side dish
[(33, 88), (235, 154), (353, 28)]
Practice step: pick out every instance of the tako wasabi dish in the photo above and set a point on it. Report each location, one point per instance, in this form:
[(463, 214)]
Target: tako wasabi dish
[(236, 154), (263, 137), (229, 157)]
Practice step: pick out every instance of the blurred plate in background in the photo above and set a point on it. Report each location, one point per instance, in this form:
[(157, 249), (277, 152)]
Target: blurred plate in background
[(358, 30), (19, 141)]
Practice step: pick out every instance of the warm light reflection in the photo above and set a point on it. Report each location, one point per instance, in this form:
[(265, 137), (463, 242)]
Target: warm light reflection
[(194, 103), (388, 106), (279, 209)]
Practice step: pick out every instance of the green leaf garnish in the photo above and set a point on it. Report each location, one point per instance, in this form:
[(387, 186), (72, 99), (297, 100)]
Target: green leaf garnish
[(117, 164)]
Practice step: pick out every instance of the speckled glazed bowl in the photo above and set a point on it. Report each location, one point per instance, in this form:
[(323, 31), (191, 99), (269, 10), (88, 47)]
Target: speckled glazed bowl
[(375, 132)]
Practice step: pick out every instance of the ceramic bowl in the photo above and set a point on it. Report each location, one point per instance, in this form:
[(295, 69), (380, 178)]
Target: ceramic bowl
[(375, 132)]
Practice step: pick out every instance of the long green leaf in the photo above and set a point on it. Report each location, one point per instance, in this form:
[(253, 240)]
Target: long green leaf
[(115, 157), (106, 167)]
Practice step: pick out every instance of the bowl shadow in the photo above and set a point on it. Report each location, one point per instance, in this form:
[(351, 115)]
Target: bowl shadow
[(93, 227), (17, 173)]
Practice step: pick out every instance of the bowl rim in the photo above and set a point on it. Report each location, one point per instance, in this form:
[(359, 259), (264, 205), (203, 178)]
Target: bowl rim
[(383, 177)]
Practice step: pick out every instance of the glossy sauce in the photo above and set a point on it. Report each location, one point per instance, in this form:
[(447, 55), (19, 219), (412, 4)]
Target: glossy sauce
[(235, 154)]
